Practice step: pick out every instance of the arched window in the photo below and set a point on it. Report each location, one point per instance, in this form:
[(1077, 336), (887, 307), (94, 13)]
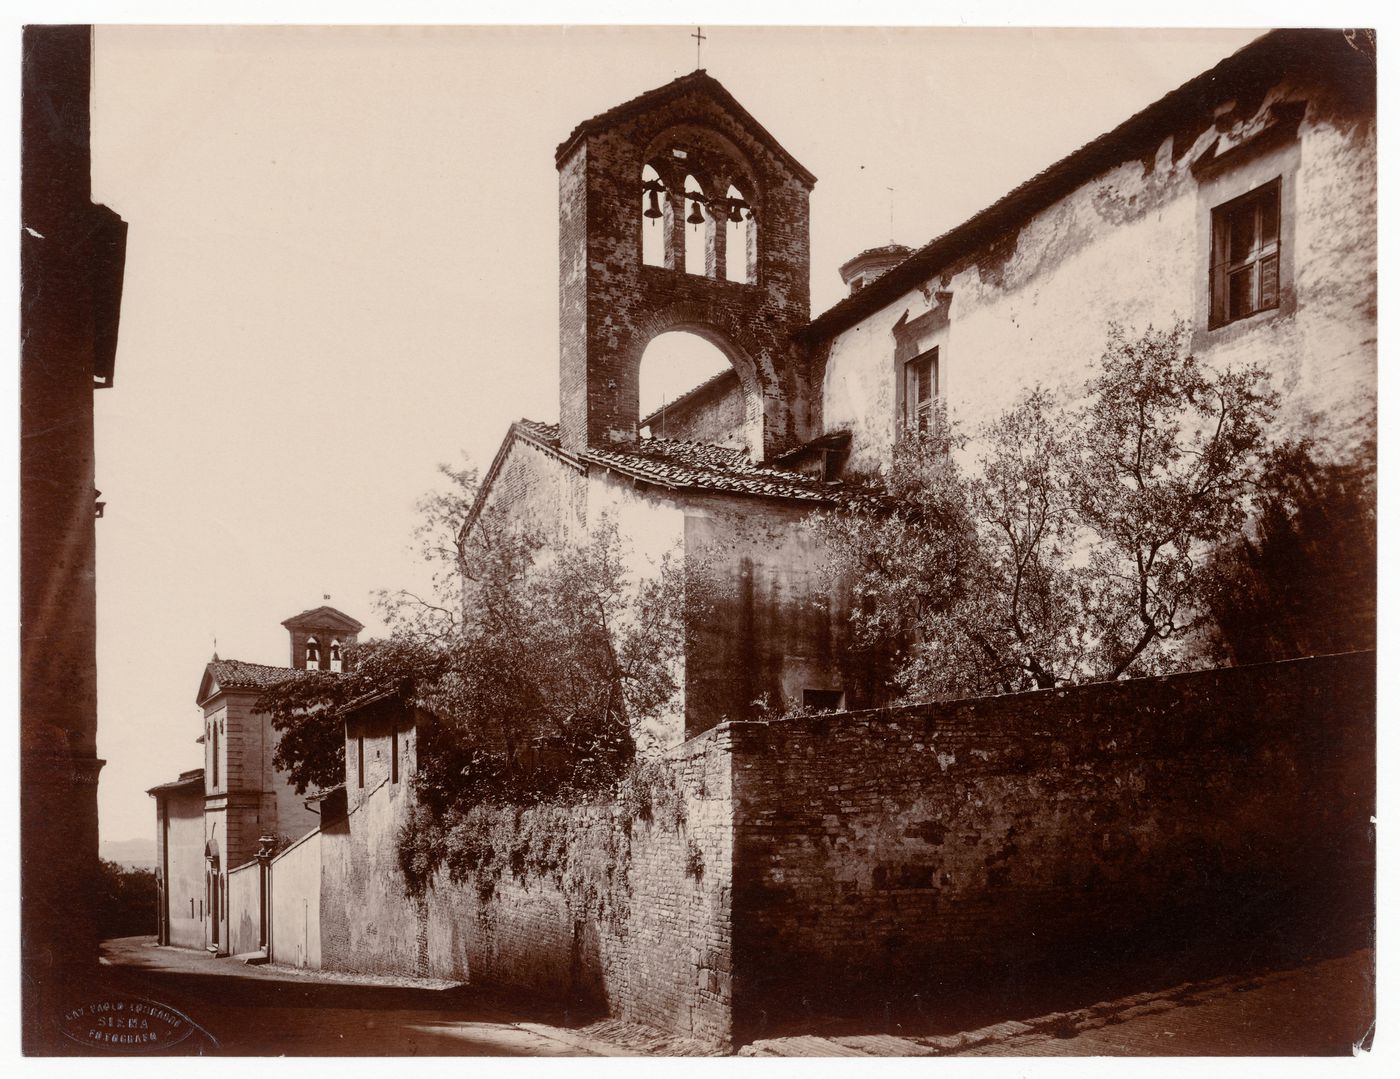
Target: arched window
[(740, 239), (313, 654), (336, 664), (656, 218), (698, 224)]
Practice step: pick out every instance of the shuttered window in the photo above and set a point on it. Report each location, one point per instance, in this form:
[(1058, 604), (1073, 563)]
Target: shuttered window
[(920, 392), (1244, 256)]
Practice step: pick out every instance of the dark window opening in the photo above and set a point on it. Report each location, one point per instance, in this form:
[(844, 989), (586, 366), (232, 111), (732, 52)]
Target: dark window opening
[(394, 756), (360, 761), (1244, 256), (823, 700), (920, 392)]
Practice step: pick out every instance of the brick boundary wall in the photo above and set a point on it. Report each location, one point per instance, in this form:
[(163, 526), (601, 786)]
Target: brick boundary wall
[(894, 851)]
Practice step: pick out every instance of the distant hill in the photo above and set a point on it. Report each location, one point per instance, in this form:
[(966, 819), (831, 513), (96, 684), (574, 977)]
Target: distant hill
[(136, 853)]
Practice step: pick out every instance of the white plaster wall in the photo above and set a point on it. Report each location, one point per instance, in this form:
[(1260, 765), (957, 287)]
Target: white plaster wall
[(1132, 246), (296, 904)]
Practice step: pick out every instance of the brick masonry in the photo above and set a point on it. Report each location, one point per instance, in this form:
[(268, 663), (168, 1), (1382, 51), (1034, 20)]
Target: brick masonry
[(612, 305), (905, 850)]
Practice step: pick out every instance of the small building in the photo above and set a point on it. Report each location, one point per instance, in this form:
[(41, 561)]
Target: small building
[(181, 898), (243, 796)]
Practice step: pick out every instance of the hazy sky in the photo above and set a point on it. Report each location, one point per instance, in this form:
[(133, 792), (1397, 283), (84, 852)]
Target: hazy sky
[(342, 268)]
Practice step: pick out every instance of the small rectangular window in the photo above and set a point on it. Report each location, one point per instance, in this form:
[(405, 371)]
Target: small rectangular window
[(360, 760), (191, 906), (1244, 256), (823, 700), (214, 756), (394, 757), (920, 392)]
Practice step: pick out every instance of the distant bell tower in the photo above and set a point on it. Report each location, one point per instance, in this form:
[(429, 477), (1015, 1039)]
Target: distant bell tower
[(320, 637), (678, 211)]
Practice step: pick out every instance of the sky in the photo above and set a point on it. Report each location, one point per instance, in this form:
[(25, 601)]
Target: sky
[(342, 269)]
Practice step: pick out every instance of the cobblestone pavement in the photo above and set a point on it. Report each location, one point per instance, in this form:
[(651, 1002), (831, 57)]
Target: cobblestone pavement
[(1318, 1008)]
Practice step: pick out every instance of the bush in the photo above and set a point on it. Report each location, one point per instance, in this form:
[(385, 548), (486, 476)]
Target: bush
[(126, 901)]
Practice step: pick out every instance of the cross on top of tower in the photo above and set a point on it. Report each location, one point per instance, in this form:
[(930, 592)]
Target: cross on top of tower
[(699, 37)]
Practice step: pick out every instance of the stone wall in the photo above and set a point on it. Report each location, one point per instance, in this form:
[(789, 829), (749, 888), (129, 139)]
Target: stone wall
[(888, 852), (180, 854)]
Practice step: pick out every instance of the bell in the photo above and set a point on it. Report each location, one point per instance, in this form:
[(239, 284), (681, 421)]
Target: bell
[(735, 207), (696, 217), (653, 209)]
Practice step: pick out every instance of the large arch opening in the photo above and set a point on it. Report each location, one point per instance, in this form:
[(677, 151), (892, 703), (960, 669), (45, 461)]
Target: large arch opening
[(674, 366)]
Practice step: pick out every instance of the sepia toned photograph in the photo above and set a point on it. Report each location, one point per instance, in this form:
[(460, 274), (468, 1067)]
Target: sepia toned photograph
[(697, 541)]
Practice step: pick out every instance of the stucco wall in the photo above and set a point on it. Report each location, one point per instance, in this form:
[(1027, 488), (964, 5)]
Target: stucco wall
[(884, 852), (296, 904), (772, 632), (1133, 245), (244, 908), (367, 923), (183, 867)]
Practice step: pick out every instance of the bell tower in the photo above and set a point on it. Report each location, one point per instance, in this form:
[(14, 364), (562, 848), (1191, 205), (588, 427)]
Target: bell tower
[(319, 638), (678, 211)]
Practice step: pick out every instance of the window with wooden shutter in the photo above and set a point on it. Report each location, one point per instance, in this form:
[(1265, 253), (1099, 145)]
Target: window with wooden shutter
[(920, 392), (1244, 256)]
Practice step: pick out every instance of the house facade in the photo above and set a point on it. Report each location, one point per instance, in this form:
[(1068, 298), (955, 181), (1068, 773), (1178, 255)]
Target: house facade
[(240, 795)]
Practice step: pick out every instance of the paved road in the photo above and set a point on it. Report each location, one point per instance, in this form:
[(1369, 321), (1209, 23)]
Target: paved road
[(270, 1011), (1317, 1008)]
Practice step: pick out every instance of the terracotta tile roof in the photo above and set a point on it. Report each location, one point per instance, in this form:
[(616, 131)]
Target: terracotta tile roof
[(236, 674), (692, 466)]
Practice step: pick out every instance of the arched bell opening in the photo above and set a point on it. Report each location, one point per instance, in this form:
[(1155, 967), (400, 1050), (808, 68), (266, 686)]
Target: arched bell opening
[(656, 219), (699, 228)]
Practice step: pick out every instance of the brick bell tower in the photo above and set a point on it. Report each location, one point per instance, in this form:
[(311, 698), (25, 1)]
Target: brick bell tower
[(319, 638), (727, 259)]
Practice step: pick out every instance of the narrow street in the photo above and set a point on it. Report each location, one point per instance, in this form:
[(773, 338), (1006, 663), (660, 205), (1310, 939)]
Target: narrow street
[(268, 1011)]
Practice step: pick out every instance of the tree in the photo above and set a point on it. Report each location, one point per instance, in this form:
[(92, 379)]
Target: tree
[(1302, 580), (1073, 548), (543, 665)]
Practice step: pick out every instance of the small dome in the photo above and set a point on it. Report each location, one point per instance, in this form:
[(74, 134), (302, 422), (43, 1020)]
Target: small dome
[(872, 263)]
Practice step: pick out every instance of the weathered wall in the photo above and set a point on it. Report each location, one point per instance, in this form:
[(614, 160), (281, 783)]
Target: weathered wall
[(296, 904), (244, 908), (885, 851), (180, 853), (772, 633), (623, 913), (536, 491), (712, 413), (1133, 245), (367, 923), (606, 905)]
